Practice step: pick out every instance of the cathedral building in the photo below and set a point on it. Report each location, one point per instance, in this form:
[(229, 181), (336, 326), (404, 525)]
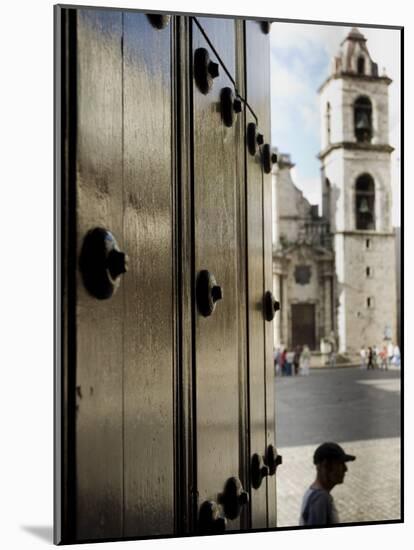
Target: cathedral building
[(335, 273)]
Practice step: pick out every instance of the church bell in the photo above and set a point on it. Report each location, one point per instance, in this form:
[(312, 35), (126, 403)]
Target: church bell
[(363, 206), (362, 121)]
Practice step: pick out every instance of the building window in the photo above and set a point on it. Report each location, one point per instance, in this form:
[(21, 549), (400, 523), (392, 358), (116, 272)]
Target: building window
[(370, 302), (365, 203), (328, 123), (363, 119), (367, 243), (361, 65), (326, 201), (368, 272), (303, 274)]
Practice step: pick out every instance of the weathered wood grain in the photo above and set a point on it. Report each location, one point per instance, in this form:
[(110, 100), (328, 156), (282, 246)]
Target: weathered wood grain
[(149, 291), (100, 323)]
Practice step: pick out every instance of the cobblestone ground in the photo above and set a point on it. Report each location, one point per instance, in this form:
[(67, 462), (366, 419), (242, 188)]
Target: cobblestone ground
[(371, 490)]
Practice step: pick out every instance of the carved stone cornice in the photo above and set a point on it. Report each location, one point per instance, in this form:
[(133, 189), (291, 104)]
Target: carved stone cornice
[(356, 146), (353, 76)]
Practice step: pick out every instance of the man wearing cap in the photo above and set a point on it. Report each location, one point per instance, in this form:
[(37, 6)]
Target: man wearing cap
[(318, 507)]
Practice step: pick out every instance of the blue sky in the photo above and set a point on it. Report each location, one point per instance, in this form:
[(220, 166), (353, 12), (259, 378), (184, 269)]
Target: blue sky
[(301, 57)]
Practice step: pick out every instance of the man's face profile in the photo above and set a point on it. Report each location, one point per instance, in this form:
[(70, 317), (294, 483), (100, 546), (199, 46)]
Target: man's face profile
[(333, 471)]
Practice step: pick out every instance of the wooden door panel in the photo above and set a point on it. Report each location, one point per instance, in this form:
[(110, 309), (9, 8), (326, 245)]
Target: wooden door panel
[(221, 32), (125, 418), (100, 323), (135, 134), (258, 74), (256, 324), (149, 295), (257, 95), (215, 247)]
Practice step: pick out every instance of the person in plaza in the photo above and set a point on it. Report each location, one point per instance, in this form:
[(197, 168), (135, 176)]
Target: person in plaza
[(363, 356), (396, 358), (370, 364), (390, 352), (305, 358), (332, 354), (296, 360), (282, 361), (332, 359), (276, 354), (375, 356), (384, 358), (290, 356), (318, 507)]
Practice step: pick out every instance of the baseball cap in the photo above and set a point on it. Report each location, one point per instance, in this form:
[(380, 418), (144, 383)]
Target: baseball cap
[(331, 451)]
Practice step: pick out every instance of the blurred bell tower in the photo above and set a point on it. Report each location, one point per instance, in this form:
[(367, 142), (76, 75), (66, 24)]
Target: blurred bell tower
[(356, 187)]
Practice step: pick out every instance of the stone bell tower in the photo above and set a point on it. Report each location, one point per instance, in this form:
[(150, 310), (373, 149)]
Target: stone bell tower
[(356, 189)]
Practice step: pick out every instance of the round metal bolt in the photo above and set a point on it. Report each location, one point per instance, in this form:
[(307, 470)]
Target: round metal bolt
[(210, 518), (101, 263), (260, 139), (213, 69), (237, 106), (205, 70), (264, 471), (208, 292), (117, 263), (220, 525), (272, 459), (251, 138), (216, 293), (259, 470), (233, 498), (227, 106), (265, 25), (266, 158), (270, 306), (159, 21)]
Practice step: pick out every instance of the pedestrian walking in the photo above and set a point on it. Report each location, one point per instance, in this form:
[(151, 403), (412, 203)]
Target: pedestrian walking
[(296, 360), (289, 362), (282, 360), (384, 358), (305, 358), (390, 352), (375, 356), (370, 364), (396, 358), (276, 354), (318, 507), (332, 354), (363, 356)]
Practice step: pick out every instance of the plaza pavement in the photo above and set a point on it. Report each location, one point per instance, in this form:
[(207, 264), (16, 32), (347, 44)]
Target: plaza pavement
[(341, 406)]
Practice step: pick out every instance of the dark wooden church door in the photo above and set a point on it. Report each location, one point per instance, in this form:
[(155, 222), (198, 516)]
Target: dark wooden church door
[(303, 325), (165, 406)]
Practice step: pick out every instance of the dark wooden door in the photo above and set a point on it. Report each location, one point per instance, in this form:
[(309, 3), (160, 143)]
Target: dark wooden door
[(303, 325), (124, 370), (162, 405), (149, 310), (99, 323), (218, 353), (258, 207)]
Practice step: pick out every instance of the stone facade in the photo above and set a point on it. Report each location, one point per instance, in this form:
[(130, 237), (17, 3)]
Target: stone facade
[(302, 266), (350, 249)]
